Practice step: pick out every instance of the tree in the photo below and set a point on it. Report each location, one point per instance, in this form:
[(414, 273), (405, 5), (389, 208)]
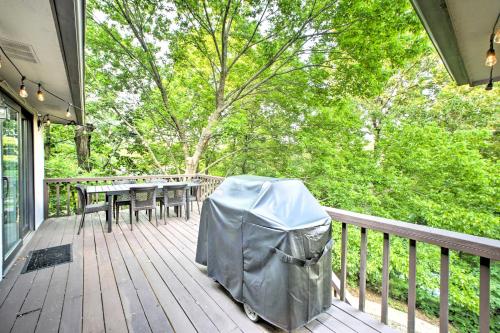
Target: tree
[(234, 51)]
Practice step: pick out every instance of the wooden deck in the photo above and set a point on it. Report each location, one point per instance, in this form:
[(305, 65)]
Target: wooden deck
[(140, 281)]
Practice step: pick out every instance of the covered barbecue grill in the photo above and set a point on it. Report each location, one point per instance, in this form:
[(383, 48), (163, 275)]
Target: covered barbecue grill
[(268, 242)]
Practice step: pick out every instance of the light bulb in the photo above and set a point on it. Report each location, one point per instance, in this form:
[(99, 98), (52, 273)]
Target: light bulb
[(491, 58), (39, 94), (497, 36), (48, 122), (22, 89), (68, 114)]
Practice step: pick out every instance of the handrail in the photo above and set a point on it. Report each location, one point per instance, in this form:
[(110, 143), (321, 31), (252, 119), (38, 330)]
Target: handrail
[(485, 248), (111, 178), (479, 246), (60, 195)]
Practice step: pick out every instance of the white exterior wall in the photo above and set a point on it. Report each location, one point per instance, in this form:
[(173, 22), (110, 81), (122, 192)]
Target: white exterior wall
[(39, 171)]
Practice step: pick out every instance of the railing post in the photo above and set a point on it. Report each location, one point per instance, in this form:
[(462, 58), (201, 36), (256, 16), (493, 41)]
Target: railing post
[(58, 199), (385, 279), (484, 295), (68, 199), (444, 290), (45, 200), (343, 262), (412, 285), (362, 269)]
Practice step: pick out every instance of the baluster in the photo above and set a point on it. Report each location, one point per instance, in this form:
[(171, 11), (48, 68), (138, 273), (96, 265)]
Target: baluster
[(46, 198), (77, 201), (484, 295), (443, 290), (362, 270), (412, 285), (343, 262), (385, 279), (68, 199), (58, 200)]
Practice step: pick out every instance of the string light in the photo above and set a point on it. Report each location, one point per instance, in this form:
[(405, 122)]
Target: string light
[(22, 89), (39, 93), (497, 36), (68, 114), (491, 58)]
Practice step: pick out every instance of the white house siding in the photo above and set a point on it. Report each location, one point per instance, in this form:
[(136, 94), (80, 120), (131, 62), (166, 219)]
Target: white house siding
[(39, 171)]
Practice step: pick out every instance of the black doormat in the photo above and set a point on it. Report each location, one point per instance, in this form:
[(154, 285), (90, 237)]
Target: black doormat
[(48, 257)]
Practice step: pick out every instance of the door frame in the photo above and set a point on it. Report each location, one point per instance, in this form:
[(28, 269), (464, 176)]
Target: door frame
[(27, 184), (25, 180)]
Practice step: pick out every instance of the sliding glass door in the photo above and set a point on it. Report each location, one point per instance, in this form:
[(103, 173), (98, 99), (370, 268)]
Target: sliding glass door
[(16, 170), (9, 129)]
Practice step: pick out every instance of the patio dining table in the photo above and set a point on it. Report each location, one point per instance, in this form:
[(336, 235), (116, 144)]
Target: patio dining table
[(113, 190)]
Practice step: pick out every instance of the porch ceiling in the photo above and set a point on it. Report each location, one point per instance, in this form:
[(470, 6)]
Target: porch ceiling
[(460, 31), (53, 31)]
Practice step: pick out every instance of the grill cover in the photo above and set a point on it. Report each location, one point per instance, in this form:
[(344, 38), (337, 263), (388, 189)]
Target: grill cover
[(268, 242)]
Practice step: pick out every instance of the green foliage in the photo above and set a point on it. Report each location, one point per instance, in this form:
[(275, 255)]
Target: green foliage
[(365, 114)]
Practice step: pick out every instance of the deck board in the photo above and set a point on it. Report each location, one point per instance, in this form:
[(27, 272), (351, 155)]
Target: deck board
[(143, 280), (111, 302), (50, 314), (22, 290)]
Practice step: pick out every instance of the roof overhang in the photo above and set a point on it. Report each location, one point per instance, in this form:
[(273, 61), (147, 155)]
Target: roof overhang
[(460, 31), (52, 32)]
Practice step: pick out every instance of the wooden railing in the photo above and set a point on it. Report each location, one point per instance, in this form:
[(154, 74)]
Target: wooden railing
[(60, 198), (485, 248)]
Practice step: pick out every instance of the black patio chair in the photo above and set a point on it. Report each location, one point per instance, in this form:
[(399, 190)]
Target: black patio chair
[(123, 199), (173, 196), (195, 193), (142, 198), (87, 208)]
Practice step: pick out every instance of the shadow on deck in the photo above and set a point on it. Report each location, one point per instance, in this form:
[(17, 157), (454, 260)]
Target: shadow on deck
[(143, 280)]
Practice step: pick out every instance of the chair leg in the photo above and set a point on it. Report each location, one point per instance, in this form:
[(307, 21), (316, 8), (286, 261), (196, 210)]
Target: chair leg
[(130, 217), (81, 223), (156, 219), (198, 204), (117, 212), (137, 216), (168, 212), (161, 210), (150, 214)]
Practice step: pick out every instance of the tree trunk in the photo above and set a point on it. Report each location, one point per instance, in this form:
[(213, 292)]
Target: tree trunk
[(191, 165), (82, 141), (48, 142)]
